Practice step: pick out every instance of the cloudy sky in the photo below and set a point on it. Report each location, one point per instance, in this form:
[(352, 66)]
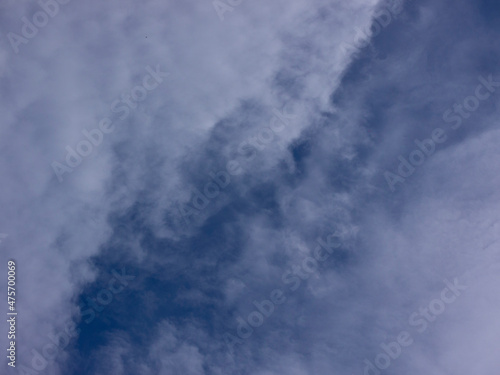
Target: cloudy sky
[(251, 187)]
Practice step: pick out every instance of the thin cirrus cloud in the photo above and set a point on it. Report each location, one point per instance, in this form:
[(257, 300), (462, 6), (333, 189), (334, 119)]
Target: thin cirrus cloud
[(351, 115)]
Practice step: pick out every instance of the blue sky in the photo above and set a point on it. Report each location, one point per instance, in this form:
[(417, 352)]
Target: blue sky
[(257, 188)]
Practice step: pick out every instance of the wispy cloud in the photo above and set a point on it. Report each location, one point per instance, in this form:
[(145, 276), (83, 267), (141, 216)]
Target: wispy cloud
[(267, 134)]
